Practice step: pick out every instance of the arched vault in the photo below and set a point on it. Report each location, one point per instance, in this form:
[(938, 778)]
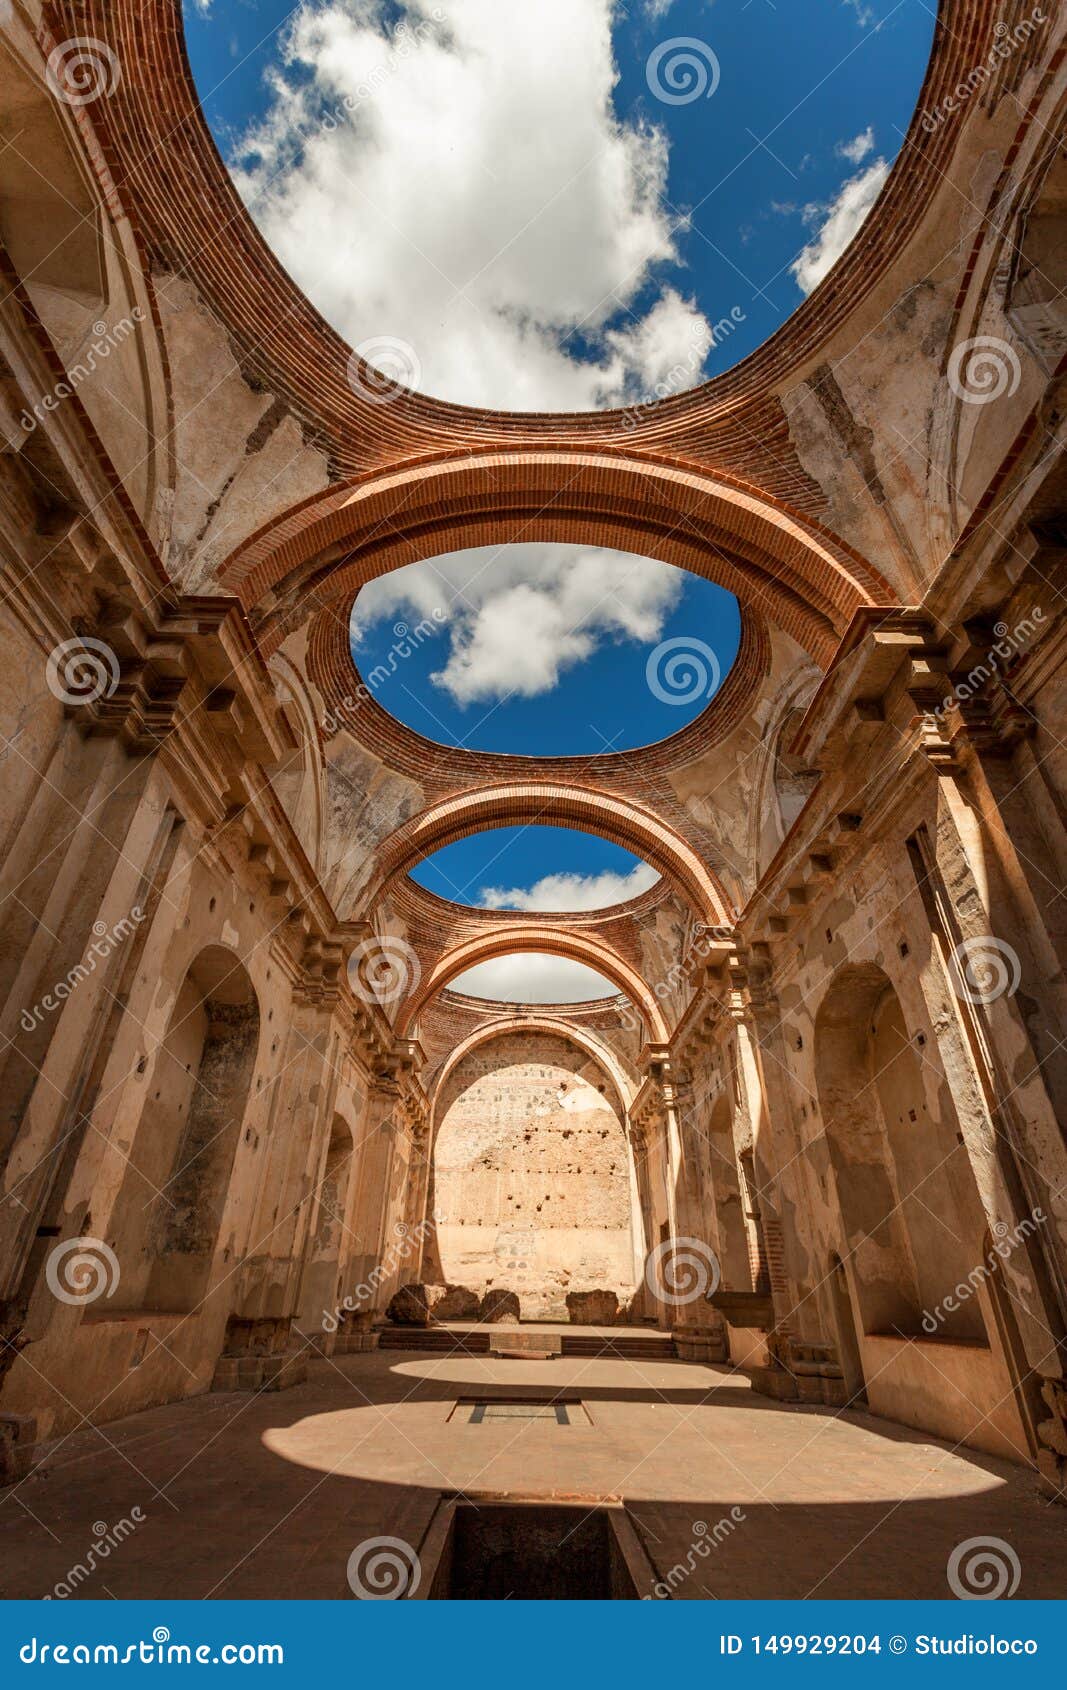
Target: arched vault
[(536, 936)]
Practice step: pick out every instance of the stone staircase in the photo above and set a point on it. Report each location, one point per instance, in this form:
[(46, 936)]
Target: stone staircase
[(621, 1344)]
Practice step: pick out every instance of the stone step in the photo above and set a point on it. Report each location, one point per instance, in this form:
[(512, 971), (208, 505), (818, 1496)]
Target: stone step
[(436, 1338), (443, 1340), (622, 1348)]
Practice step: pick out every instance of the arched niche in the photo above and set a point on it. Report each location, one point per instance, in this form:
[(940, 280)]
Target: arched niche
[(168, 1215), (898, 1164), (49, 220)]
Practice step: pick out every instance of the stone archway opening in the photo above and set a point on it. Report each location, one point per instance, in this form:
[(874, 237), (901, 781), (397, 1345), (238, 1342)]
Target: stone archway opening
[(532, 1187)]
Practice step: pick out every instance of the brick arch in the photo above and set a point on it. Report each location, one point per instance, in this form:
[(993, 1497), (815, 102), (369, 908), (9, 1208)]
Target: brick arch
[(604, 1058), (317, 555), (536, 936), (557, 804)]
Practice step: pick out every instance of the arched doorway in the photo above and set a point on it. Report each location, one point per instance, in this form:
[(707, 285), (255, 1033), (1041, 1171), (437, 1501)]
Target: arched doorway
[(899, 1164)]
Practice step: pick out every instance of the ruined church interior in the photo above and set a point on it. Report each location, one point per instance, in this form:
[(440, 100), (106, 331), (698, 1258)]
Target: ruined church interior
[(363, 1235)]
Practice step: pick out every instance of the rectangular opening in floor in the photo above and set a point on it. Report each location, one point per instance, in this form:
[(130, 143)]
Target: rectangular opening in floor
[(561, 1411), (533, 1551), (520, 1411)]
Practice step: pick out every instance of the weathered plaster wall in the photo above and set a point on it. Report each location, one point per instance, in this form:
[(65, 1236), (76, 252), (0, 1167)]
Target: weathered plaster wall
[(531, 1180)]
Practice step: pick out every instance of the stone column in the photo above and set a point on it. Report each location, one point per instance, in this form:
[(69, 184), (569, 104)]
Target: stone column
[(999, 1002), (780, 1172)]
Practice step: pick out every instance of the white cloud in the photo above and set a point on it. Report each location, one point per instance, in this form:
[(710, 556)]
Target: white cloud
[(534, 977), (865, 14), (466, 186), (555, 892), (857, 149), (842, 220), (518, 615)]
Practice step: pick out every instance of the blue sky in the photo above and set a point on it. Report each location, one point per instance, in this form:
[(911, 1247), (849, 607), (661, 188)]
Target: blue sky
[(557, 206), (545, 650), (650, 218), (501, 868)]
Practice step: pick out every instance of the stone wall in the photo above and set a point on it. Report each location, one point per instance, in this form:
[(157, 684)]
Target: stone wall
[(531, 1176)]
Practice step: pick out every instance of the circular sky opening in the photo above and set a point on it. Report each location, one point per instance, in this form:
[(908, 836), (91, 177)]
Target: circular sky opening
[(544, 650), (559, 206)]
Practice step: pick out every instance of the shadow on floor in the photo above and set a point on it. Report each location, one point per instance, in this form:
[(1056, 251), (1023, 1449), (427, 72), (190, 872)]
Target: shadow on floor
[(788, 1502)]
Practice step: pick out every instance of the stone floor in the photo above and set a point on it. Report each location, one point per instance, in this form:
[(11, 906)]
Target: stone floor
[(266, 1496)]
